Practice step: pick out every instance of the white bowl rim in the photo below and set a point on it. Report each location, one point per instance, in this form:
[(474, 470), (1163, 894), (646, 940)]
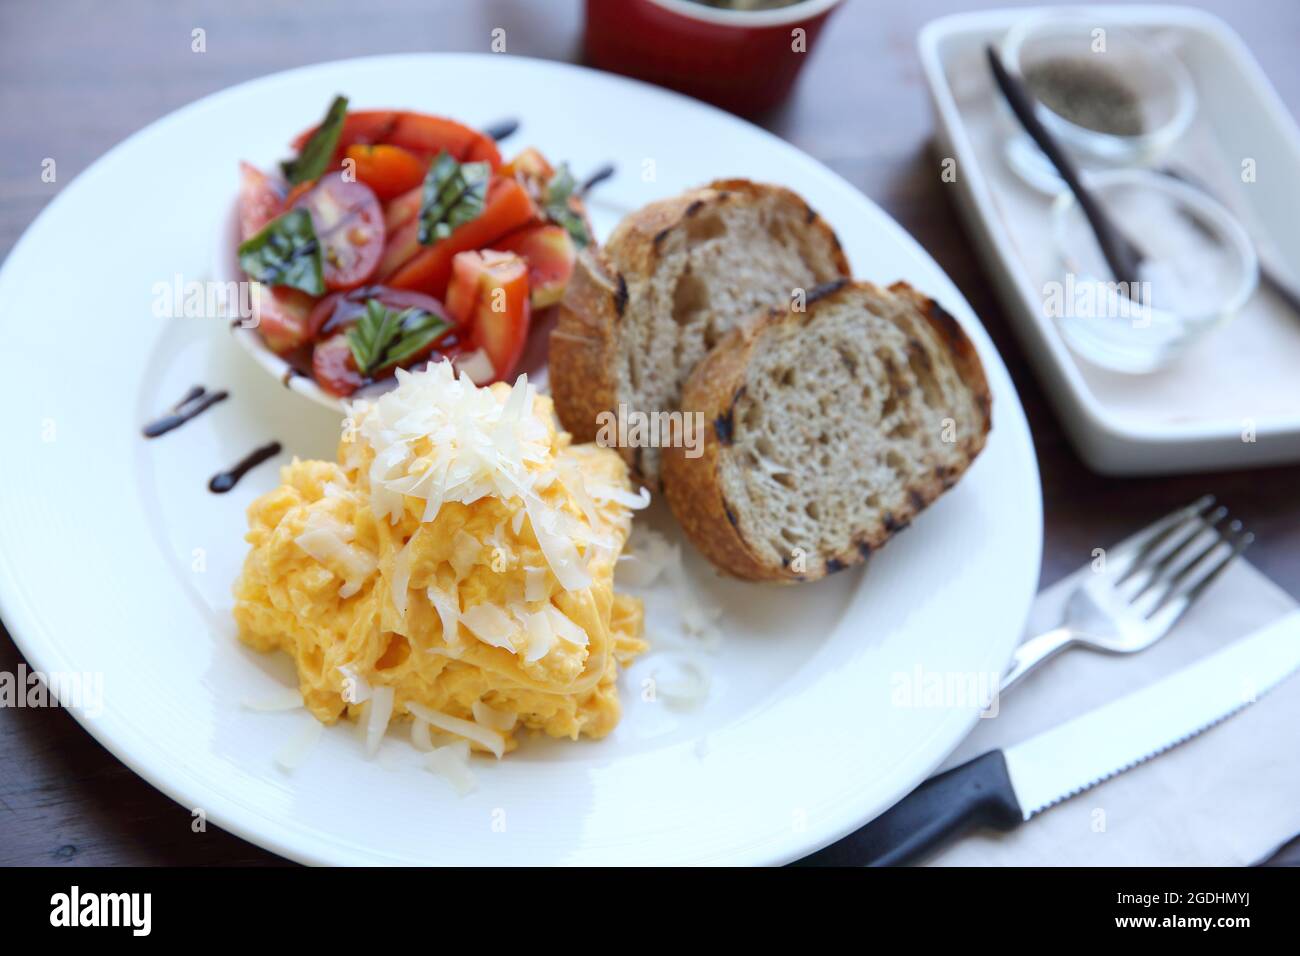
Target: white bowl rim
[(1237, 239), (1152, 140)]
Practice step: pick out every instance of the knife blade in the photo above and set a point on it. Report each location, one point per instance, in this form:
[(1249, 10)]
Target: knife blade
[(1002, 789)]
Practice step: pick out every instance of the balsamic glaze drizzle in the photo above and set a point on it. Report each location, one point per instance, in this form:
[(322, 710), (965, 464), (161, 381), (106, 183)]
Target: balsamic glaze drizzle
[(225, 480), (196, 400), (501, 130), (599, 176)]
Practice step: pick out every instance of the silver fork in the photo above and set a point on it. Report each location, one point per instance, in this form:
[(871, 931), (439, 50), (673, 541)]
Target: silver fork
[(1143, 586)]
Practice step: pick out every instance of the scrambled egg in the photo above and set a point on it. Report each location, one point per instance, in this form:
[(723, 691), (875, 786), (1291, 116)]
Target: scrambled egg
[(458, 555)]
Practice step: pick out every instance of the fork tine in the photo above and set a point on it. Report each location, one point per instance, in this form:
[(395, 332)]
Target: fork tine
[(1184, 599), (1160, 531), (1198, 530), (1230, 535)]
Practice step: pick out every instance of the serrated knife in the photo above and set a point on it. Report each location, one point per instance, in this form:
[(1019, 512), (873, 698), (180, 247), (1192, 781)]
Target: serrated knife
[(1004, 788)]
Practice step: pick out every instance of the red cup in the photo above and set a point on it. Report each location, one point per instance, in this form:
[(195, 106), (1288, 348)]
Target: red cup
[(743, 61)]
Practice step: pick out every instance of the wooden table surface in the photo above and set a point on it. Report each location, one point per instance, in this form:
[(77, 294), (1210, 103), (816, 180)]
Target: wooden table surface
[(78, 76)]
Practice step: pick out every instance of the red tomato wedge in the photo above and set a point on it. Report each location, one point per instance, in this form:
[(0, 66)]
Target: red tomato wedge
[(550, 253), (403, 246), (531, 164), (350, 228), (283, 316), (417, 132), (259, 201), (489, 293), (532, 170), (403, 209), (389, 171), (297, 192), (408, 265)]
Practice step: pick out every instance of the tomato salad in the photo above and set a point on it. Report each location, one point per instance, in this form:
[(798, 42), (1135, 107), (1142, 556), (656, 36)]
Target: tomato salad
[(394, 238)]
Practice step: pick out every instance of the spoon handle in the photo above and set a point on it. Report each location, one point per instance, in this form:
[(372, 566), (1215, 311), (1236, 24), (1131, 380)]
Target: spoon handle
[(1121, 255)]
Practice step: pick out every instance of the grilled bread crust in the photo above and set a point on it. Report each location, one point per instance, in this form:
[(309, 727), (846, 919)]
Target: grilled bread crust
[(606, 298), (736, 535)]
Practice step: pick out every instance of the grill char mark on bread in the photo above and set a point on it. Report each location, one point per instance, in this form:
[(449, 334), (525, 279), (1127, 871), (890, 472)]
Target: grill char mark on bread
[(829, 453), (672, 280)]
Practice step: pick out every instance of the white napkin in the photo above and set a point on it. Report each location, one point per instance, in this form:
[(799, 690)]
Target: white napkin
[(1228, 797)]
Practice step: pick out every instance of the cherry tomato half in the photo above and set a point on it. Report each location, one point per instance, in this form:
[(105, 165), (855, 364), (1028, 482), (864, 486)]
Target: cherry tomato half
[(350, 228), (388, 170), (334, 368)]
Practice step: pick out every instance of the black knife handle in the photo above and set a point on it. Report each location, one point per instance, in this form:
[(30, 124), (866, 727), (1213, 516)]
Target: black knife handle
[(975, 794)]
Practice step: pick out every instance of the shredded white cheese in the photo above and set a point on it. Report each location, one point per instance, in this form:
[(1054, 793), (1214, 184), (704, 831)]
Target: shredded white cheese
[(491, 625), (481, 446), (326, 540), (452, 764), (681, 680), (284, 698), (420, 738), (356, 689), (401, 578), (294, 753), (484, 736), (377, 716), (492, 718), (564, 627), (447, 604), (534, 583), (465, 550), (541, 635)]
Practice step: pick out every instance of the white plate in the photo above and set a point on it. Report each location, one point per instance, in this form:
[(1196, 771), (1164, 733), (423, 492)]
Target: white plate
[(115, 559), (1239, 380)]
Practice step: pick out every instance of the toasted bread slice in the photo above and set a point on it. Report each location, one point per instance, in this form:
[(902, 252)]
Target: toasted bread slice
[(672, 280), (827, 430)]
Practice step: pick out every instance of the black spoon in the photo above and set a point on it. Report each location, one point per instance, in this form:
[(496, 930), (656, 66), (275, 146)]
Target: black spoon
[(1122, 256)]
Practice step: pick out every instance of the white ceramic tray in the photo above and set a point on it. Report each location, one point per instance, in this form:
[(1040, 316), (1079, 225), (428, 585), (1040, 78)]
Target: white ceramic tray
[(1231, 401)]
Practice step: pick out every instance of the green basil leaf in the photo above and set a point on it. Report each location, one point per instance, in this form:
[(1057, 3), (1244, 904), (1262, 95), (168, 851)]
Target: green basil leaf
[(285, 252), (572, 222), (384, 337), (370, 335), (558, 191), (561, 186), (314, 157), (454, 193), (418, 331)]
